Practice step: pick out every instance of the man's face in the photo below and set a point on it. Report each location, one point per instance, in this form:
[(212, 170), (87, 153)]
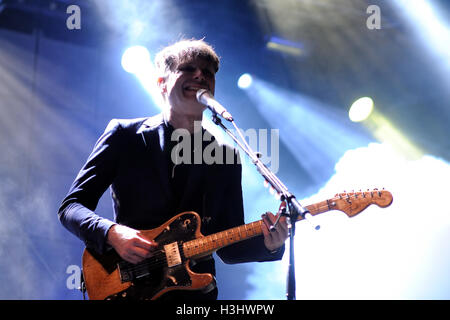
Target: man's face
[(181, 85)]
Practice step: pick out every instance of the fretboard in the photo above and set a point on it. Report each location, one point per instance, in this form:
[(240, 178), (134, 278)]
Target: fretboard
[(209, 244)]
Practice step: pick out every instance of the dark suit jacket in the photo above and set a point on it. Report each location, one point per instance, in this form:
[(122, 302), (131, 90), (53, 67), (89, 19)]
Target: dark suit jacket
[(130, 159)]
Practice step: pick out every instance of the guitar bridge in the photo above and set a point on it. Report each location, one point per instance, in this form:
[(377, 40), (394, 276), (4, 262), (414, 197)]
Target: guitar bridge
[(172, 254)]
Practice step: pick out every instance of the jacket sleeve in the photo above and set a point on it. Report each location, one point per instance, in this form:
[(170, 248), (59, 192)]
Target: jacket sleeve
[(77, 209), (253, 249)]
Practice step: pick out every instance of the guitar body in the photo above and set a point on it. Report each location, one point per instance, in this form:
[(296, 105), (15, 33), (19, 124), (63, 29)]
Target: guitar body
[(108, 276)]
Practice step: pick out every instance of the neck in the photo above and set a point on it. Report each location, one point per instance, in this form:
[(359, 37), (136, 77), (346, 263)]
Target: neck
[(183, 121)]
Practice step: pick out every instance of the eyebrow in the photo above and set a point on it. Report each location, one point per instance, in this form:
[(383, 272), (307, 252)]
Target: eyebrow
[(198, 59), (208, 67)]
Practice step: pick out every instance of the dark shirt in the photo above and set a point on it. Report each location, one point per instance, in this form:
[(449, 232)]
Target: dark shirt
[(179, 171)]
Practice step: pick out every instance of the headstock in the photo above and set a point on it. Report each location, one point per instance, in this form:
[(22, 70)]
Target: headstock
[(353, 203)]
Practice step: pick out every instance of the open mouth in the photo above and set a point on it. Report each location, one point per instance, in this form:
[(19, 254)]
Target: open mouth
[(194, 88)]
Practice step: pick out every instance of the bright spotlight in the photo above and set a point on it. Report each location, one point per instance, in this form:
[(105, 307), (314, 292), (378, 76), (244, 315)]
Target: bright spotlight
[(245, 81), (361, 109), (135, 59)]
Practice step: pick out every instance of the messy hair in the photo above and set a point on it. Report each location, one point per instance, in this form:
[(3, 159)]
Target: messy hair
[(170, 57)]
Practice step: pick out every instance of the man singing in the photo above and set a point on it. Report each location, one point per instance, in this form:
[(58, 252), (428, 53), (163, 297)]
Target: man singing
[(135, 159)]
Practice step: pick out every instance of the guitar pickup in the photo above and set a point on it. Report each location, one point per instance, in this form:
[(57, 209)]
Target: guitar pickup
[(172, 254), (129, 272)]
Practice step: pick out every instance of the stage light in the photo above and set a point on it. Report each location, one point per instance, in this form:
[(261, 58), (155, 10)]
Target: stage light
[(285, 46), (245, 81), (427, 18), (361, 109), (135, 58)]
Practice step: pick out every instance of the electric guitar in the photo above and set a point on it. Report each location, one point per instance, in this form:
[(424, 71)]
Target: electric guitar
[(180, 242)]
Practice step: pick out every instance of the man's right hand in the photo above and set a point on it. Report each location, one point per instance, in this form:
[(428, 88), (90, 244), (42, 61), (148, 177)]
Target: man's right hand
[(130, 244)]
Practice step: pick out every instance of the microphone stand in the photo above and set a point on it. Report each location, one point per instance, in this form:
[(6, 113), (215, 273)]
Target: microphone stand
[(295, 209)]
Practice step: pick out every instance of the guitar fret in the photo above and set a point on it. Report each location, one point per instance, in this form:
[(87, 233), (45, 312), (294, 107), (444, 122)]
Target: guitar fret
[(245, 229), (221, 239), (215, 239), (239, 232)]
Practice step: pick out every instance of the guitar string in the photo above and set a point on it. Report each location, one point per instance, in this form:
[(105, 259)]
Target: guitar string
[(161, 258), (162, 261)]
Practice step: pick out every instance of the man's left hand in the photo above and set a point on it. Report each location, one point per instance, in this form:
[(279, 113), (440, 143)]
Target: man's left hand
[(274, 239)]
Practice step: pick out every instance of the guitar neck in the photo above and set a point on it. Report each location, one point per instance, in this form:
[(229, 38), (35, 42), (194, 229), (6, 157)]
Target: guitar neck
[(206, 245), (209, 244)]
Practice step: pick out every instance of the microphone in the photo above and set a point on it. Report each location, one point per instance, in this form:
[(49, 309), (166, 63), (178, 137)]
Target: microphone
[(206, 98)]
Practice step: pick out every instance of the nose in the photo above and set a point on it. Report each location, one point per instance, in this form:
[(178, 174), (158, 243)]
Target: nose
[(198, 74)]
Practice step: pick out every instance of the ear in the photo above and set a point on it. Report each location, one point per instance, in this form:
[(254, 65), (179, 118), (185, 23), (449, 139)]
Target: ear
[(161, 84)]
